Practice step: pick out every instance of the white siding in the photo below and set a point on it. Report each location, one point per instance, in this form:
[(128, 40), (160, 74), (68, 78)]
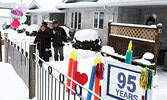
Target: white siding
[(87, 19), (38, 20)]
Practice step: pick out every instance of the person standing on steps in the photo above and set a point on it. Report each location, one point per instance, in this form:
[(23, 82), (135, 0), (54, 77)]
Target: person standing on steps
[(58, 36)]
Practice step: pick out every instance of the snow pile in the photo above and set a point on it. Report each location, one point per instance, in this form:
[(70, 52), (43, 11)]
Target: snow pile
[(14, 36), (11, 86), (10, 32), (143, 61), (8, 22), (108, 49), (86, 35), (32, 28), (1, 28), (148, 55), (21, 27), (146, 59)]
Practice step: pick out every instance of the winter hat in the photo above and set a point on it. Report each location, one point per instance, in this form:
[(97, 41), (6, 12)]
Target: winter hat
[(45, 23), (55, 22)]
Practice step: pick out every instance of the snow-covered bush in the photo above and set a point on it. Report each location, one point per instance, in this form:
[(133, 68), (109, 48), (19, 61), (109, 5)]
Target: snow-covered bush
[(21, 28), (32, 30), (6, 25), (87, 39)]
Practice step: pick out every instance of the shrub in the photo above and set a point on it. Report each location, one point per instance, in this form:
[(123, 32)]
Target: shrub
[(27, 33), (34, 33), (20, 31), (88, 45)]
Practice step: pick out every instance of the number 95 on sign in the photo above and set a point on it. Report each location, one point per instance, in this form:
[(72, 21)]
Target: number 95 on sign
[(123, 83)]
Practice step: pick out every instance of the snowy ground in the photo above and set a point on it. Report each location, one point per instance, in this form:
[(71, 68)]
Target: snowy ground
[(13, 88), (11, 85)]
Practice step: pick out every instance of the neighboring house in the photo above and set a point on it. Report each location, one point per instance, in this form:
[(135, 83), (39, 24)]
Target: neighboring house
[(5, 9), (39, 11), (5, 17), (96, 14), (8, 5)]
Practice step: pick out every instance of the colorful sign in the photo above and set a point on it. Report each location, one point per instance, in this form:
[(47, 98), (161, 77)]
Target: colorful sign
[(122, 82)]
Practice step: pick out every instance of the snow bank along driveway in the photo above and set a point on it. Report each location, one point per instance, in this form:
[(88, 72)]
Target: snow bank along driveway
[(11, 85)]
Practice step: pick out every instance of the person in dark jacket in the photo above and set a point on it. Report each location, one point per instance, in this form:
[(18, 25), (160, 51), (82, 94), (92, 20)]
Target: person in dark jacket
[(58, 36), (43, 41)]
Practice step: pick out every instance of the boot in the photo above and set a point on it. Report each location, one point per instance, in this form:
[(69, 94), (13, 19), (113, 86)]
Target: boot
[(61, 58), (56, 58)]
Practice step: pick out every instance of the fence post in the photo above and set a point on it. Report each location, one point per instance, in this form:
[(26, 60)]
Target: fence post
[(32, 50), (0, 48), (6, 47), (156, 48)]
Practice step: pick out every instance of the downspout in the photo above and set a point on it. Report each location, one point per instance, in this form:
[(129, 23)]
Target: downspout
[(109, 11)]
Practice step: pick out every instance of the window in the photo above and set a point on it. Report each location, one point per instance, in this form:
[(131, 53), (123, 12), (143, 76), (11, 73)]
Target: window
[(35, 19), (98, 20), (76, 20), (95, 19), (72, 19)]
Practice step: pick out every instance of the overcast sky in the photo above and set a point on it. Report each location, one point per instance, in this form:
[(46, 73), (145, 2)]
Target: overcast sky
[(18, 1)]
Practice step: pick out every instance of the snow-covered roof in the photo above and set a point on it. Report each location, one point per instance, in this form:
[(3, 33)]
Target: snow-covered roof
[(44, 6), (5, 13), (8, 5), (103, 3), (26, 2)]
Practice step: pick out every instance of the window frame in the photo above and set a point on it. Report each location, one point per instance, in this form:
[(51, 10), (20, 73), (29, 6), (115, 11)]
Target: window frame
[(36, 20), (75, 23), (98, 20)]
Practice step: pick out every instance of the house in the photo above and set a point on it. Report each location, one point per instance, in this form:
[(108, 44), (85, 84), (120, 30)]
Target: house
[(5, 9), (5, 18), (44, 10), (8, 5), (84, 14)]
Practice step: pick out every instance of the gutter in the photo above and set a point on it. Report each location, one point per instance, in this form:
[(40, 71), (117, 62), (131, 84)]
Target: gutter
[(111, 11), (113, 4)]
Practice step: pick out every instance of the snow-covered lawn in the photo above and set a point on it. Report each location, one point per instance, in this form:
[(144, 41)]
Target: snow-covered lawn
[(13, 88), (11, 85)]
